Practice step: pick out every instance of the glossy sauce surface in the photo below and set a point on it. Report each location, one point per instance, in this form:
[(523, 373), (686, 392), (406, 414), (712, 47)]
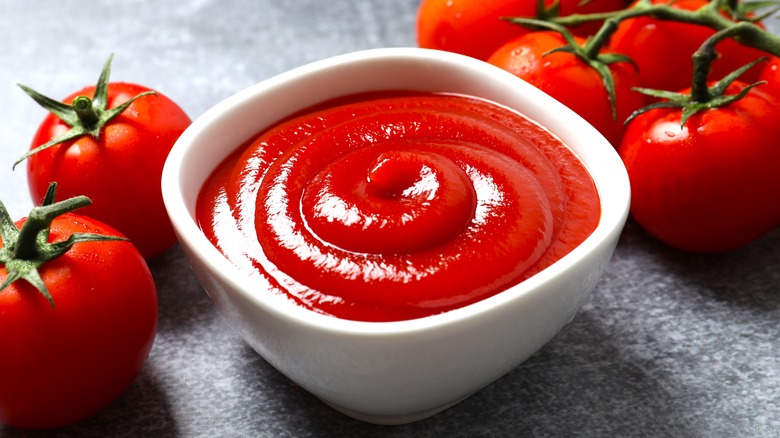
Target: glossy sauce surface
[(393, 206)]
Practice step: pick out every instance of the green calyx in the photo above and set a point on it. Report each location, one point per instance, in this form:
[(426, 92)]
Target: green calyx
[(691, 105), (25, 250), (589, 52), (702, 96), (85, 116)]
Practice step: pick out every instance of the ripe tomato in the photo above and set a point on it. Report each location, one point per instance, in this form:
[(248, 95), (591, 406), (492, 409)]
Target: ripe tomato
[(662, 49), (121, 170), (771, 74), (572, 81), (713, 184), (63, 362), (474, 28)]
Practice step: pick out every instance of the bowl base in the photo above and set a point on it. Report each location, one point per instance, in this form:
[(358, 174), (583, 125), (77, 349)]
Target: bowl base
[(393, 420)]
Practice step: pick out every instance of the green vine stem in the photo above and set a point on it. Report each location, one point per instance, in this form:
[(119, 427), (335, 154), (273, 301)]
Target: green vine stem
[(709, 15), (739, 24), (594, 44), (547, 13), (706, 54), (702, 96)]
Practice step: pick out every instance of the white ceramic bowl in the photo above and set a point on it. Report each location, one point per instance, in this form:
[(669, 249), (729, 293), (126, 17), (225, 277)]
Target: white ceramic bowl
[(393, 372)]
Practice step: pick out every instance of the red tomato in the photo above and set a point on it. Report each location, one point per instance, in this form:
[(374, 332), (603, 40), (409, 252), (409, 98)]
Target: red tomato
[(573, 82), (771, 74), (712, 185), (662, 49), (61, 364), (121, 171), (474, 28)]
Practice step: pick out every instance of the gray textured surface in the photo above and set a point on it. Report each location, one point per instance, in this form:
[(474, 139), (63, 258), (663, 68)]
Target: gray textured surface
[(667, 344)]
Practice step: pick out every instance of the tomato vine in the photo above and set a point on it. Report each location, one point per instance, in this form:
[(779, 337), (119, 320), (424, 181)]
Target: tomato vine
[(739, 22), (702, 96)]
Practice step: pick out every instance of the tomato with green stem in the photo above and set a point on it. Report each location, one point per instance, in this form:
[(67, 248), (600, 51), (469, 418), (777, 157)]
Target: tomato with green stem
[(111, 148), (711, 185), (703, 163), (79, 315), (475, 28), (595, 84)]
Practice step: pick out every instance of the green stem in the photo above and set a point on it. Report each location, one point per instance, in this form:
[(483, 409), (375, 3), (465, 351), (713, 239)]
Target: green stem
[(40, 219), (574, 20), (706, 55), (593, 45), (749, 34), (709, 15), (547, 13), (25, 251), (86, 114), (702, 62)]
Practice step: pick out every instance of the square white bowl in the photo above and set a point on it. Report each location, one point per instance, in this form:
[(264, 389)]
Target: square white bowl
[(393, 372)]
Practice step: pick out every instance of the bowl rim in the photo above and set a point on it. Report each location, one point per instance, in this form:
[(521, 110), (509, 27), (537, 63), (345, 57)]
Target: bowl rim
[(182, 216)]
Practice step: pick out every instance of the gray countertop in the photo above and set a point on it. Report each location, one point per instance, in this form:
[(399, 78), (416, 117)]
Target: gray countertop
[(668, 344)]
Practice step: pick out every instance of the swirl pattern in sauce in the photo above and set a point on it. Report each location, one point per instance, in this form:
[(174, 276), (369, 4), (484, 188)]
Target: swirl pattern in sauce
[(393, 206)]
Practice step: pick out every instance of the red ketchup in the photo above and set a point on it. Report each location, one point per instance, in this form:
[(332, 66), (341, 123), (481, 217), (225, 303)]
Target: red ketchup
[(393, 206)]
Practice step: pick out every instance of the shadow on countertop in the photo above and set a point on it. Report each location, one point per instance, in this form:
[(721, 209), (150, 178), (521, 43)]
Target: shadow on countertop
[(142, 410)]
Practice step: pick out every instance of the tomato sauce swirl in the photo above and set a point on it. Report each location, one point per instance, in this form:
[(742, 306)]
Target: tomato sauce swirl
[(398, 205)]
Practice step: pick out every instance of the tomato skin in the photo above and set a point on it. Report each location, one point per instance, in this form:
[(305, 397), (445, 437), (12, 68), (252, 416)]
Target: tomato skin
[(121, 172), (474, 28), (571, 81), (662, 49), (711, 186), (62, 364), (770, 72)]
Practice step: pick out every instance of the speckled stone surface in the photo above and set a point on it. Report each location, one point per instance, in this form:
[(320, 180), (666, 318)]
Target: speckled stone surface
[(668, 344)]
